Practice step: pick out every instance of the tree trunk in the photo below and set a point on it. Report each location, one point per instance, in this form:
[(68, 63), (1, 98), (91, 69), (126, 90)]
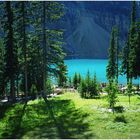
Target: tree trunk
[(12, 89), (25, 50), (17, 84), (44, 47), (10, 50)]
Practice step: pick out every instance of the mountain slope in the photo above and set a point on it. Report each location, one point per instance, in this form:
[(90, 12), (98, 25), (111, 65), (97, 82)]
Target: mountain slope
[(89, 40), (88, 26)]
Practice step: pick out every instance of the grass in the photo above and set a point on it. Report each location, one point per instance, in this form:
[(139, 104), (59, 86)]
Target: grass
[(69, 116)]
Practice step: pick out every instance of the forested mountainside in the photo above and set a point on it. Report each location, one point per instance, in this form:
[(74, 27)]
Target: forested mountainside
[(88, 25)]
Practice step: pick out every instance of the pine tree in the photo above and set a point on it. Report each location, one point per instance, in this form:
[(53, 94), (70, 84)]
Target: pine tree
[(117, 52), (35, 46), (36, 49), (137, 63), (94, 91), (44, 46), (88, 79), (79, 78), (10, 54), (130, 52), (70, 82), (21, 23), (88, 88), (62, 75), (2, 66), (24, 46), (52, 39), (132, 42), (82, 88), (88, 82), (75, 81), (112, 90), (111, 67), (34, 64), (125, 60)]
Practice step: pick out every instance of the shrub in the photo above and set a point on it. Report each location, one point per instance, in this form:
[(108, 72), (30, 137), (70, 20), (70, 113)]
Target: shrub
[(112, 90), (82, 88), (94, 88), (120, 118), (70, 82), (119, 109), (75, 81), (89, 88), (49, 88), (33, 91)]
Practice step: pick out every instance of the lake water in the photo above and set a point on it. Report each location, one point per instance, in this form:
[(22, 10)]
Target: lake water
[(97, 66)]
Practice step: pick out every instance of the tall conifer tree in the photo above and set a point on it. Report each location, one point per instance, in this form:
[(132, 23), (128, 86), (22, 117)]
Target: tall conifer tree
[(11, 56), (111, 67)]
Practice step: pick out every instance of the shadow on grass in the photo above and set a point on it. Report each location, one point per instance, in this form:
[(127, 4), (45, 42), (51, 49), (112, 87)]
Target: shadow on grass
[(53, 119), (14, 122), (3, 109), (69, 121), (119, 109), (120, 118), (61, 120)]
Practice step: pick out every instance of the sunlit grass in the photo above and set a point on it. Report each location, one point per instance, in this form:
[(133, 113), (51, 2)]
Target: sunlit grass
[(69, 116), (100, 119)]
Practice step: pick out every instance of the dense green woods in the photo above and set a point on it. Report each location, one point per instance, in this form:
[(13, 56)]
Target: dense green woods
[(129, 54), (31, 53), (31, 50), (32, 58), (112, 67), (130, 62)]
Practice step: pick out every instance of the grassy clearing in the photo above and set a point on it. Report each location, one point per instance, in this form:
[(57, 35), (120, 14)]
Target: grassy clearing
[(69, 116)]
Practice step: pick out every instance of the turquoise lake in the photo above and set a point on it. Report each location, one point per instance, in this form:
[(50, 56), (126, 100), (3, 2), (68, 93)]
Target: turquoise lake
[(97, 66)]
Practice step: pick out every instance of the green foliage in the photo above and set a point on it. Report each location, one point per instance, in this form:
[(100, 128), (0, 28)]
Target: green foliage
[(32, 52), (11, 62), (70, 82), (85, 116), (120, 118), (137, 61), (131, 53), (2, 65), (112, 90), (49, 87), (82, 88), (94, 89), (75, 81), (130, 63), (125, 61), (79, 78), (129, 90), (88, 82), (33, 91), (2, 53), (62, 75), (119, 109), (89, 88), (112, 67)]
